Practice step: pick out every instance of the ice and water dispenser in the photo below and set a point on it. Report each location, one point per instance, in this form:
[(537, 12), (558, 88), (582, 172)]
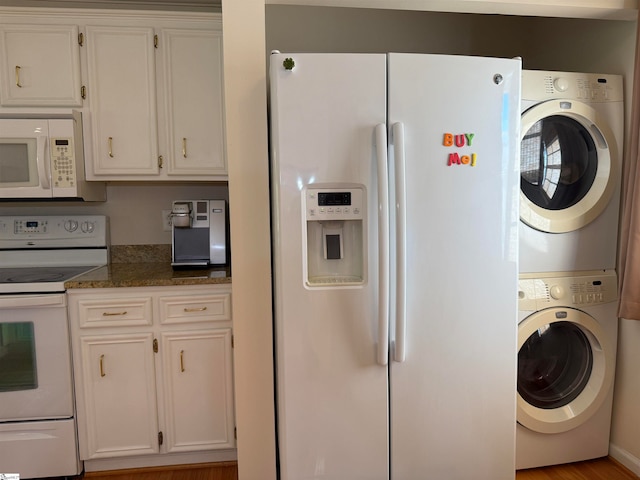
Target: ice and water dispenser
[(335, 240)]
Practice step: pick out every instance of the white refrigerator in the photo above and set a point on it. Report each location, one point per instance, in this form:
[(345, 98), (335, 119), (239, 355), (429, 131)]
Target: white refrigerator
[(394, 204)]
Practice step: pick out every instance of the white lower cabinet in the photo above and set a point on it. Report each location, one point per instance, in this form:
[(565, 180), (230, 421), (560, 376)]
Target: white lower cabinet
[(118, 376), (197, 366), (153, 370)]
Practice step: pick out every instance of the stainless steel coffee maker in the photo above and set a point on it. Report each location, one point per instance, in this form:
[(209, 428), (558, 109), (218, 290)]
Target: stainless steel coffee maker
[(199, 233)]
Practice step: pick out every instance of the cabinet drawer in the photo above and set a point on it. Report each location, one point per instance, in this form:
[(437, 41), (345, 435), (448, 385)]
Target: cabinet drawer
[(195, 308), (116, 312)]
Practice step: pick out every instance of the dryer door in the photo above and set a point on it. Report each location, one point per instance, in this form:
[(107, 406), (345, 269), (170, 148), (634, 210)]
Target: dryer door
[(568, 167), (565, 369)]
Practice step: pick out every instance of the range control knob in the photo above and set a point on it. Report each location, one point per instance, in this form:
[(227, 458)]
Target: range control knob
[(556, 292), (88, 227), (71, 225)]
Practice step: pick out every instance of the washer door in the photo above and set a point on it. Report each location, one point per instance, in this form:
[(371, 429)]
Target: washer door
[(568, 166), (565, 369)]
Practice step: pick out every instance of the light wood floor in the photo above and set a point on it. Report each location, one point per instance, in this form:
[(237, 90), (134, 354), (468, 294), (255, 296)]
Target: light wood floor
[(209, 471), (601, 469)]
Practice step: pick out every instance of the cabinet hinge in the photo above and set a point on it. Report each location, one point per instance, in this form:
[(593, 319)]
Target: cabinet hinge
[(160, 438), (155, 41), (160, 160), (81, 39), (155, 345), (83, 92)]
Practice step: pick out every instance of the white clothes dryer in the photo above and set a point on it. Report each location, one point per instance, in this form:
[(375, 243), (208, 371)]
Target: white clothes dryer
[(567, 335), (570, 161)]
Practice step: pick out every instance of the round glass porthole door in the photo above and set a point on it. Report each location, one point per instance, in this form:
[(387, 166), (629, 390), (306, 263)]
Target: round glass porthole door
[(567, 166), (565, 369)]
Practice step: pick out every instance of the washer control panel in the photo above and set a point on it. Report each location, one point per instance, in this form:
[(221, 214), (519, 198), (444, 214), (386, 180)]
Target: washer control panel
[(592, 288)]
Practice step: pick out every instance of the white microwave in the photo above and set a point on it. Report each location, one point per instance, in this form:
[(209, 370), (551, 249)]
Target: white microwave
[(43, 158)]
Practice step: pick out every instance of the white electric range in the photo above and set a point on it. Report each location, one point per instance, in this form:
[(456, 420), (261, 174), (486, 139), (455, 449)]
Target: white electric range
[(38, 254)]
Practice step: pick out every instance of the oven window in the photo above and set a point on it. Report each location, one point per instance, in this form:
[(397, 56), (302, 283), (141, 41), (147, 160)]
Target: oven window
[(17, 357)]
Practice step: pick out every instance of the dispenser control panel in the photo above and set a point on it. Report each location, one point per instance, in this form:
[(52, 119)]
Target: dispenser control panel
[(326, 203)]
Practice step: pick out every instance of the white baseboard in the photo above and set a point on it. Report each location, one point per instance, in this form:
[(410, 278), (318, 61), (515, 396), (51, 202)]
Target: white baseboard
[(625, 458)]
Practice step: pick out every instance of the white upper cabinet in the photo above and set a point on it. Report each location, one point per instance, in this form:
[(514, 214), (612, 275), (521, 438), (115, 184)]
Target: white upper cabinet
[(192, 121), (149, 85), (155, 101), (122, 99), (39, 66)]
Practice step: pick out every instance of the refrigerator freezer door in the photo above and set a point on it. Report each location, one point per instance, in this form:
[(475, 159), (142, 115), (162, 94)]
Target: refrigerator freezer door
[(332, 395), (452, 399)]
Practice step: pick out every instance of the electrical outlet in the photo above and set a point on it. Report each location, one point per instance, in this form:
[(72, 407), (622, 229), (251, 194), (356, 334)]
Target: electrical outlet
[(166, 220)]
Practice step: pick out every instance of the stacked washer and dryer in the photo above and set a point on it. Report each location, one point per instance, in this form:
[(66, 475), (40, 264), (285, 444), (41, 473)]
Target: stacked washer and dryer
[(571, 156)]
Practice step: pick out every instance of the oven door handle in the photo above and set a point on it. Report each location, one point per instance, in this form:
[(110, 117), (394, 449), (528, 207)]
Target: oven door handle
[(32, 301)]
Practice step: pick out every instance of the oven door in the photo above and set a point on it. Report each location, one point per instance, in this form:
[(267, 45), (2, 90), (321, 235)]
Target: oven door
[(35, 358)]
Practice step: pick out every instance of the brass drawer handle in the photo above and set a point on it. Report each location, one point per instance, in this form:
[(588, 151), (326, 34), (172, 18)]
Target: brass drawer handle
[(102, 374), (182, 360), (191, 310), (114, 314), (110, 141)]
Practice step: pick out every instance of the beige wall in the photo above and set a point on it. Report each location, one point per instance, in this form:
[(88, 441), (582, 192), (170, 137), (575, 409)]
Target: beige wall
[(134, 209), (246, 127)]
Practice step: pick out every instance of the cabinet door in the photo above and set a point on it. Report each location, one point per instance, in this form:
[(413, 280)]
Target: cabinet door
[(39, 66), (119, 396), (198, 390), (122, 101), (192, 73)]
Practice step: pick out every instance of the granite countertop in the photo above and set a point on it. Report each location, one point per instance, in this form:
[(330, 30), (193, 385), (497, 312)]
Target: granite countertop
[(146, 266)]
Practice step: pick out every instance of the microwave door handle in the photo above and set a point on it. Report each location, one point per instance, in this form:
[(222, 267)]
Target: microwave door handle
[(43, 165)]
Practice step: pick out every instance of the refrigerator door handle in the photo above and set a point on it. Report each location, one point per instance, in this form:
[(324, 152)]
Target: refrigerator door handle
[(400, 229), (383, 243)]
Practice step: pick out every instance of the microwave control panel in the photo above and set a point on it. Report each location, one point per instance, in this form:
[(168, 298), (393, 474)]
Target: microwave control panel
[(63, 170)]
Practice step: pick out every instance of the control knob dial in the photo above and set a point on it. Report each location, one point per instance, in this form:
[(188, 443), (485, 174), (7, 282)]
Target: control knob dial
[(556, 292)]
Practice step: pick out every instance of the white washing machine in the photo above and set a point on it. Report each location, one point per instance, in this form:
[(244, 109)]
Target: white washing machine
[(567, 335), (571, 157)]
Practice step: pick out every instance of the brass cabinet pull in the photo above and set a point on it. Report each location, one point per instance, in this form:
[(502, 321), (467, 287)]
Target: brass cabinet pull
[(111, 147), (18, 76), (102, 374), (184, 147), (182, 360), (114, 314), (199, 309)]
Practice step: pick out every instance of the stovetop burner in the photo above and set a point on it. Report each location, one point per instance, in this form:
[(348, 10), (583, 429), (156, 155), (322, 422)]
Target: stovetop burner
[(38, 254), (40, 274)]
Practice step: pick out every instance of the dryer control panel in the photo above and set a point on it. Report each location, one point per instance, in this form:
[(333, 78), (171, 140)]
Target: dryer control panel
[(540, 85), (591, 288)]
